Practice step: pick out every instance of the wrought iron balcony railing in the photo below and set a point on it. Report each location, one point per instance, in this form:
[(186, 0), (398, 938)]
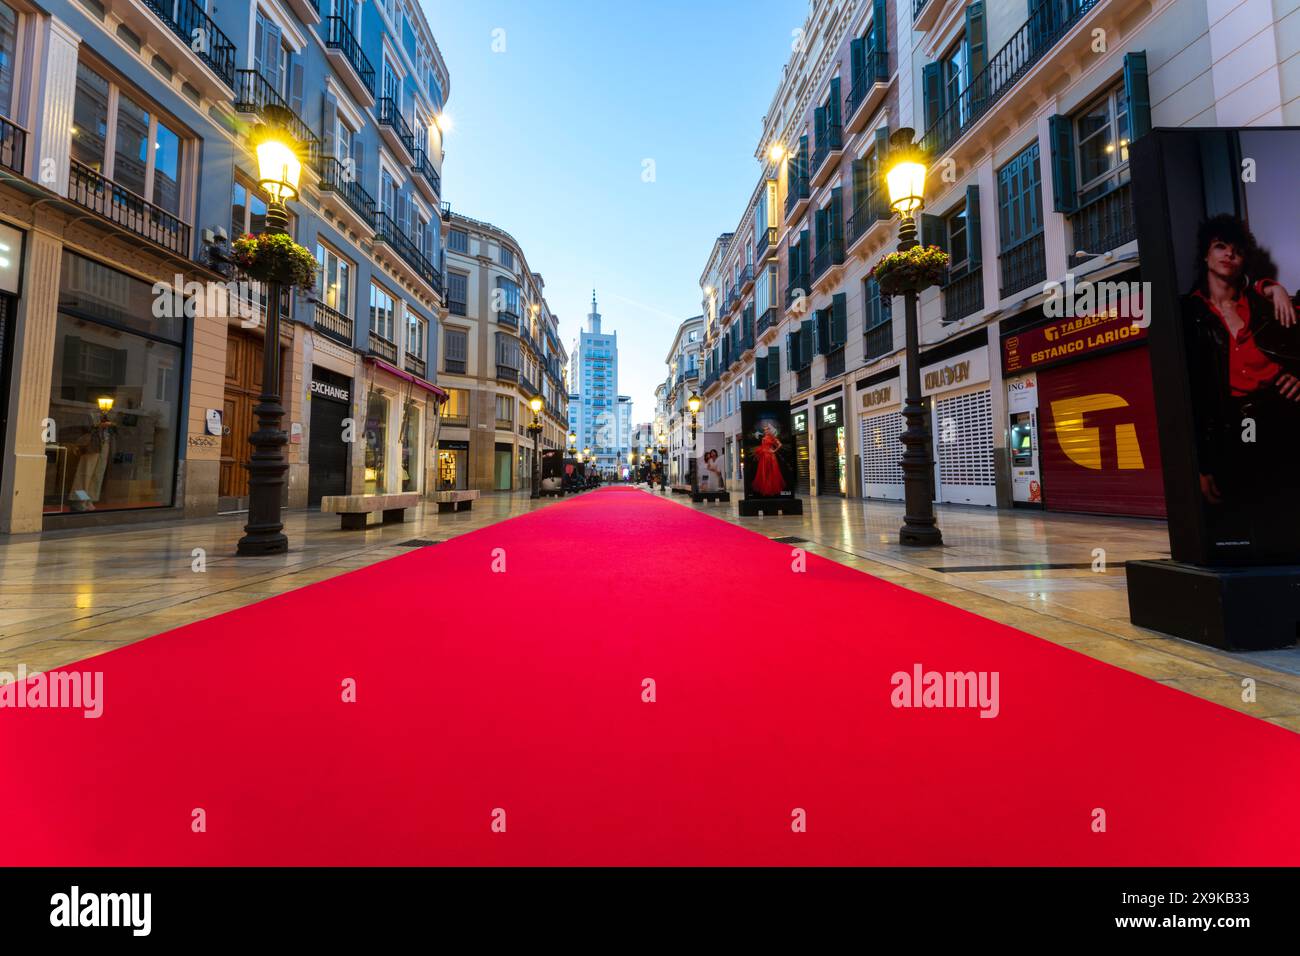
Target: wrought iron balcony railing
[(766, 320), (13, 145), (339, 36), (832, 141), (187, 20), (797, 191), (870, 210), (831, 254), (391, 116), (878, 340), (508, 319), (507, 374), (332, 323), (834, 364), (805, 379), (386, 231), (255, 94), (1023, 265), (1051, 20), (1105, 222), (798, 285), (124, 208), (425, 169), (746, 276), (963, 295), (335, 177), (416, 365), (764, 243), (875, 71), (379, 346)]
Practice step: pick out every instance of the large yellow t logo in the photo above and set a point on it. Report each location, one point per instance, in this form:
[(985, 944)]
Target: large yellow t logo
[(1083, 445)]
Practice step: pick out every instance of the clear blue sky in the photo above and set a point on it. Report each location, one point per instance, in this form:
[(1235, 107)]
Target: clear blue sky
[(550, 135)]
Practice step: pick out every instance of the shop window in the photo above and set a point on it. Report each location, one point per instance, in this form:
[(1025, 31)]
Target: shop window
[(376, 443), (412, 460), (114, 396)]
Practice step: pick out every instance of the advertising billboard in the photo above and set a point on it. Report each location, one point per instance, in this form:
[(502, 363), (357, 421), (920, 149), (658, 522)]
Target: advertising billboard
[(768, 449), (711, 465), (1216, 222)]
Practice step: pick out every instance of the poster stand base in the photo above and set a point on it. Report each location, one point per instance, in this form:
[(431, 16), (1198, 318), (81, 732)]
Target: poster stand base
[(753, 507), (1234, 609), (699, 496)]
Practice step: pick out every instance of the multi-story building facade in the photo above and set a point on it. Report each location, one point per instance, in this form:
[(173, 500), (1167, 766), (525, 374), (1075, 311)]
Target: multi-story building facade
[(593, 409), (1026, 115), (624, 407), (127, 169), (500, 348), (683, 381)]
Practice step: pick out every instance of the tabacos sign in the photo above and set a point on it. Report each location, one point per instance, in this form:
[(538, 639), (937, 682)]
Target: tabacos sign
[(1071, 337)]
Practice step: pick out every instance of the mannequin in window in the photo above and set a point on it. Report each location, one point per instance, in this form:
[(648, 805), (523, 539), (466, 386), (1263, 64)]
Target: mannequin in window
[(96, 446)]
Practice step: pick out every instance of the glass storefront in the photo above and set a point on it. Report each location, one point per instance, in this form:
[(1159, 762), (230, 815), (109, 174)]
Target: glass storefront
[(376, 443), (111, 441), (504, 459), (411, 457)]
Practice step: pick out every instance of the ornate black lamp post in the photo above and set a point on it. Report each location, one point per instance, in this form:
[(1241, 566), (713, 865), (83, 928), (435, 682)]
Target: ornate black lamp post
[(906, 183), (535, 429), (693, 403), (663, 460), (279, 168)]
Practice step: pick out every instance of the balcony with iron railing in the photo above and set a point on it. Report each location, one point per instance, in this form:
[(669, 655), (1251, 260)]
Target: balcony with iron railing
[(829, 255), (925, 13), (827, 146), (341, 44), (337, 180), (878, 340), (380, 347), (764, 244), (797, 286), (526, 385), (386, 232), (125, 209), (427, 178), (506, 373), (867, 91), (508, 318), (13, 146), (803, 379), (188, 22), (1051, 20), (834, 364), (1023, 265), (334, 324), (254, 94), (416, 365), (1105, 222), (796, 197), (963, 294), (746, 278), (872, 209), (767, 320), (395, 131)]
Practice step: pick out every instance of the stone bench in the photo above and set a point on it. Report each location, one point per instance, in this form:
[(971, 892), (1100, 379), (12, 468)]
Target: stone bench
[(355, 509), (455, 500)]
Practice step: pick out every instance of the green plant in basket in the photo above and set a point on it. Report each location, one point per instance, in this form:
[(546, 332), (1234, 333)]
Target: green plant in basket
[(918, 268), (275, 257)]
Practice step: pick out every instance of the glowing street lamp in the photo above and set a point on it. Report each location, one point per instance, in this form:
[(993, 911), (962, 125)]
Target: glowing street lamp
[(905, 181), (279, 167), (535, 429)]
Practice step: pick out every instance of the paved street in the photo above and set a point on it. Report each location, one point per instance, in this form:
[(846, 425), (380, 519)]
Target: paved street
[(65, 597)]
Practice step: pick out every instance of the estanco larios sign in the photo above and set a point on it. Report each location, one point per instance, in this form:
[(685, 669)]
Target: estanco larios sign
[(1070, 338)]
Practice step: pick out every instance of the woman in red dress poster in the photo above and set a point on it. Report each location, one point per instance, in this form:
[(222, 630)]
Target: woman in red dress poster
[(768, 482)]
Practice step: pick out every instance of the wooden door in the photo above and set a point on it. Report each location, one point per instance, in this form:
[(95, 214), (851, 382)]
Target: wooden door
[(243, 386)]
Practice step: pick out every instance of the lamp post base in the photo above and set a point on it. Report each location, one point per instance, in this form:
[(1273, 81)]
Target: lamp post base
[(919, 536)]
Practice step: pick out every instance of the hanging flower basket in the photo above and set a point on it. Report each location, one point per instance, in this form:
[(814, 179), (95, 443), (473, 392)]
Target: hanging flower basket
[(275, 257), (918, 268)]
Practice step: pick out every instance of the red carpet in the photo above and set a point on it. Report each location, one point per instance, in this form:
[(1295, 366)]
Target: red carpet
[(522, 690)]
